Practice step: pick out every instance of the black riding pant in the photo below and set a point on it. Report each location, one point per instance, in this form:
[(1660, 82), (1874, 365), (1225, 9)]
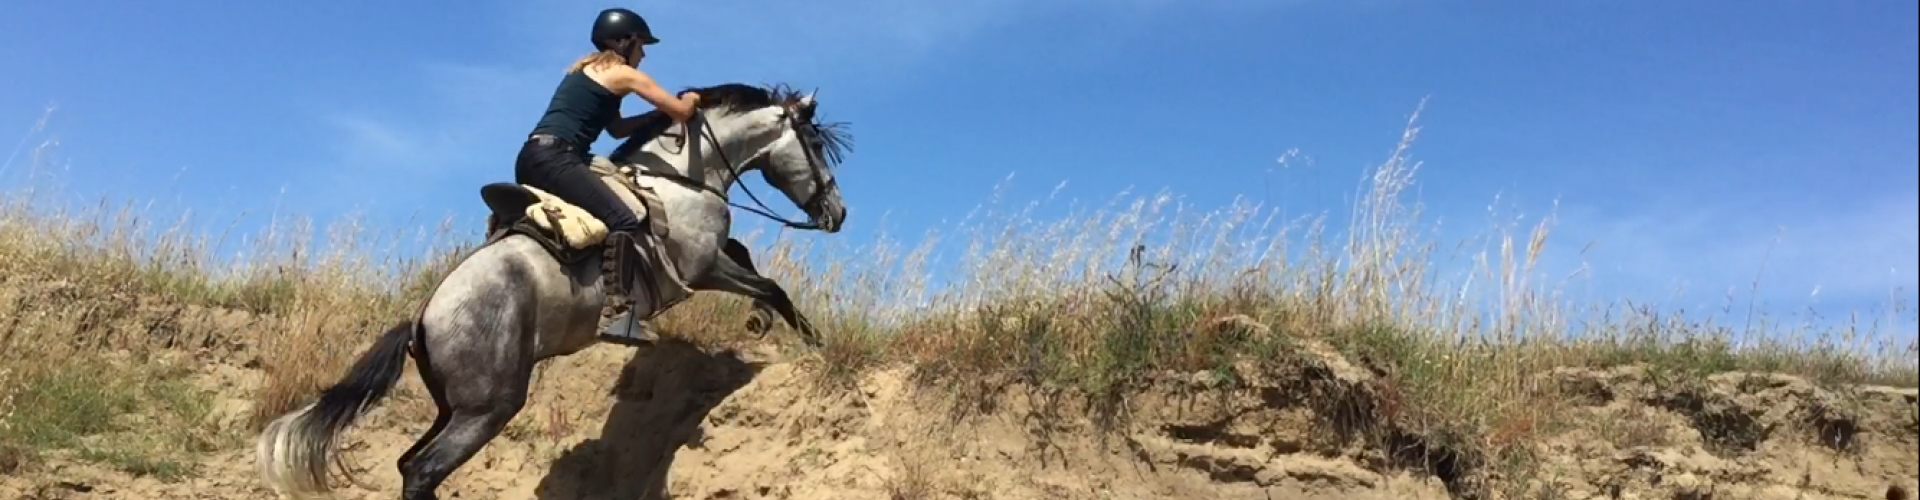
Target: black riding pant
[(561, 169)]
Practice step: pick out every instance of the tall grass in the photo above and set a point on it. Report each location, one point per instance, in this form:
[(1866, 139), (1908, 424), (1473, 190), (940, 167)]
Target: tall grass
[(1092, 302)]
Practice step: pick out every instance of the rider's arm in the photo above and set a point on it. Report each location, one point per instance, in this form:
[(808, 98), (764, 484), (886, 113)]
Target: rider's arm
[(680, 108), (624, 127)]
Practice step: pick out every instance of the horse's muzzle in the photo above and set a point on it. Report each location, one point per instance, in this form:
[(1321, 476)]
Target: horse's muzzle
[(830, 215)]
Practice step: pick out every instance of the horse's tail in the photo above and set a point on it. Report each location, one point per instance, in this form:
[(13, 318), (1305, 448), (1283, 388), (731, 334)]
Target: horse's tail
[(293, 452)]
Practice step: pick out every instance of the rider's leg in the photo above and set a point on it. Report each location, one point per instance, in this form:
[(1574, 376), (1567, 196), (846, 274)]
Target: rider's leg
[(565, 174)]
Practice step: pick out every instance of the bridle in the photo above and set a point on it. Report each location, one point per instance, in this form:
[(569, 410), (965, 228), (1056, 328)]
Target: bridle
[(811, 205), (794, 122)]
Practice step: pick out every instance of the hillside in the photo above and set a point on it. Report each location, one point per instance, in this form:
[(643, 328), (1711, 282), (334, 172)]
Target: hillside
[(1067, 361)]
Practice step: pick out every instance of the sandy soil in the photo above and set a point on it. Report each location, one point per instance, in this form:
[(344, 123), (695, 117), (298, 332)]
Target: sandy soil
[(615, 423)]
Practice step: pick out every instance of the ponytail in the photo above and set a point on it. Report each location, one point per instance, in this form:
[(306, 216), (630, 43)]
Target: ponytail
[(615, 53)]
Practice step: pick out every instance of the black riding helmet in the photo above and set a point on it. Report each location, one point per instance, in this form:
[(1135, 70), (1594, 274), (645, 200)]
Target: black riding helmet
[(617, 24)]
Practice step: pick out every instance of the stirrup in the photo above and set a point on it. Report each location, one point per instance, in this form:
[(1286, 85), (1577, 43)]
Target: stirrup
[(627, 331)]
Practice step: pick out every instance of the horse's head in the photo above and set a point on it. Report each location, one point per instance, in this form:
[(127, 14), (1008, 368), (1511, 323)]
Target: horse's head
[(770, 129), (801, 160)]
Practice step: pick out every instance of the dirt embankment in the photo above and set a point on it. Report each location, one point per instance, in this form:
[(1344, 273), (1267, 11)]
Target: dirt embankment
[(611, 423)]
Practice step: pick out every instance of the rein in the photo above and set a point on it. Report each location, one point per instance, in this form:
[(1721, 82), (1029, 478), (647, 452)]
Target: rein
[(706, 131)]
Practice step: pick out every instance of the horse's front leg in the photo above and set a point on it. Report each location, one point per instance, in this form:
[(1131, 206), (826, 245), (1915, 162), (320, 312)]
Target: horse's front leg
[(735, 274), (760, 321)]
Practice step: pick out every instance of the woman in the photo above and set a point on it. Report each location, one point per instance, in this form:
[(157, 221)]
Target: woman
[(586, 103)]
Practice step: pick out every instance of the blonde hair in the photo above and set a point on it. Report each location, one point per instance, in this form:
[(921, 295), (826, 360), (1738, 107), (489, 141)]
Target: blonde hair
[(601, 58)]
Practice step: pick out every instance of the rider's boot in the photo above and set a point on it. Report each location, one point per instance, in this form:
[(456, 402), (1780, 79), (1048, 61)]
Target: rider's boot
[(622, 275), (635, 279)]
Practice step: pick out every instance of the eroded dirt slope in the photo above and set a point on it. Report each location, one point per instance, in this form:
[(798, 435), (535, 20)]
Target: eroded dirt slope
[(613, 423)]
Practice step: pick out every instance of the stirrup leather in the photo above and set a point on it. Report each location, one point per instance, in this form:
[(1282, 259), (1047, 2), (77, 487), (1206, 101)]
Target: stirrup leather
[(627, 274)]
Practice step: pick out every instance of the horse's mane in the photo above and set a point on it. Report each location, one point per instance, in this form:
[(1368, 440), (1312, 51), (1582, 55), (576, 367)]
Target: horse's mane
[(731, 97)]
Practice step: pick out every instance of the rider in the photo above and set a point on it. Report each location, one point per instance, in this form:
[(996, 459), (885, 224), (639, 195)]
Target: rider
[(587, 102)]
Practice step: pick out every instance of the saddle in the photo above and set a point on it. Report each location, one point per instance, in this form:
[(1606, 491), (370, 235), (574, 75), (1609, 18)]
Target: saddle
[(569, 233)]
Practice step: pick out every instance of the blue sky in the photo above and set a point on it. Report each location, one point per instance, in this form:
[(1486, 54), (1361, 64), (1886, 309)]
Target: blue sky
[(1680, 139)]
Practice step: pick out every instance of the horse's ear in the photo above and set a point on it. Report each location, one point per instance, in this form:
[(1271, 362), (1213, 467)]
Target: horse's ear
[(806, 101)]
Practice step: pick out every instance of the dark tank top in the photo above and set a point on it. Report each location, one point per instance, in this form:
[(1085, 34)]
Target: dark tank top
[(580, 110)]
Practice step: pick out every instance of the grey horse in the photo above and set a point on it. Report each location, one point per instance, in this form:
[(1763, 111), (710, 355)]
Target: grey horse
[(522, 298)]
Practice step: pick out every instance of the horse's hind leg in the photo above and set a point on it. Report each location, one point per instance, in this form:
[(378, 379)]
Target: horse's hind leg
[(477, 409), (479, 382), (434, 382)]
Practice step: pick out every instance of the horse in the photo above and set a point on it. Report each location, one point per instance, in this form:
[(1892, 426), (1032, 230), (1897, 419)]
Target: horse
[(533, 291)]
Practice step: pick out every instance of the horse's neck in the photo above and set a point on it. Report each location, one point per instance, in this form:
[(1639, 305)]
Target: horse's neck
[(711, 169)]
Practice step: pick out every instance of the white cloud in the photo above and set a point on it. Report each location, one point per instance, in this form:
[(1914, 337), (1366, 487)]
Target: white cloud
[(367, 140), (1843, 256), (462, 126)]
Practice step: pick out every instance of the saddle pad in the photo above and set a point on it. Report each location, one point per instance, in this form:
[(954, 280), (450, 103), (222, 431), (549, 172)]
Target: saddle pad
[(577, 228)]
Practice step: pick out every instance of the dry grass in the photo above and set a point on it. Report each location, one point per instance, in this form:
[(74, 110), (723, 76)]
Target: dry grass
[(141, 420), (1091, 303)]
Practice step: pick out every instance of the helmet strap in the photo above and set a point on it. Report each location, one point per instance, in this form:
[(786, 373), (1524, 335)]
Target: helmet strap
[(630, 49), (621, 47)]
